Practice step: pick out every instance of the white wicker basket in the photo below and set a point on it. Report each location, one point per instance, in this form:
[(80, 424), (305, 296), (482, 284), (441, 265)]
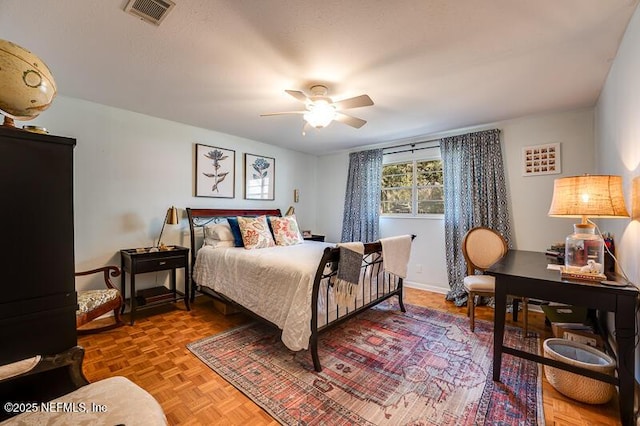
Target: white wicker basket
[(574, 386)]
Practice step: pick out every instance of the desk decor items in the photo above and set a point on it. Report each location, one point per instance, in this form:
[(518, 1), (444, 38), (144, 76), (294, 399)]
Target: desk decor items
[(215, 172), (26, 85), (587, 196)]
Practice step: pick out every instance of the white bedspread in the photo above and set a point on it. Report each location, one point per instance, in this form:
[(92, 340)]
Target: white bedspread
[(275, 283)]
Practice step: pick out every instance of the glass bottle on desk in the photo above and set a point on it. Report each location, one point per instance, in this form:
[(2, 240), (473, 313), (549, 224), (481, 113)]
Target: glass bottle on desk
[(583, 246)]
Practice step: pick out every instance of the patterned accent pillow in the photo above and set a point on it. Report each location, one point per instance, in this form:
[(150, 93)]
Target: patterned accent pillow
[(255, 232), (285, 230)]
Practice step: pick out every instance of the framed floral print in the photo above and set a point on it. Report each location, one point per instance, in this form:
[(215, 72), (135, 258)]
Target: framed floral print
[(259, 177), (215, 172)]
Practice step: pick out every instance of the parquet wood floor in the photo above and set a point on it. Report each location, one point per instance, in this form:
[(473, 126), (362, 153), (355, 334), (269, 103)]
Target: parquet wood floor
[(153, 354)]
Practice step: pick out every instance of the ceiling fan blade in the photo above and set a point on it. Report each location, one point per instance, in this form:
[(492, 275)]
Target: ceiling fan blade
[(298, 95), (351, 121), (282, 113), (355, 102)]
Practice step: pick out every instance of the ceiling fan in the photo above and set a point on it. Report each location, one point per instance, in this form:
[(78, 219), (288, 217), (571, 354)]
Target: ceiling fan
[(321, 110)]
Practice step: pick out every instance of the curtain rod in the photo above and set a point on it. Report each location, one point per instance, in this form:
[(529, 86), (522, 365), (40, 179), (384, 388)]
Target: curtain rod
[(412, 145)]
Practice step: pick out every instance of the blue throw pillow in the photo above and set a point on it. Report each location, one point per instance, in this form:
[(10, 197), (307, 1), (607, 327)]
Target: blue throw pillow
[(235, 230)]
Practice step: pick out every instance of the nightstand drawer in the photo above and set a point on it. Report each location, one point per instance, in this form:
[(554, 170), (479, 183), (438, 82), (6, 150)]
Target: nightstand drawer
[(150, 265)]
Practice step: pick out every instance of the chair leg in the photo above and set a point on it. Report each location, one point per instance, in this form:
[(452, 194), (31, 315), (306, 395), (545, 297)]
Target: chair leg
[(515, 302), (118, 316), (471, 301)]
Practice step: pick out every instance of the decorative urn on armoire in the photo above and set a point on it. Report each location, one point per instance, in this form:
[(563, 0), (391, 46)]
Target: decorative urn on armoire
[(26, 85)]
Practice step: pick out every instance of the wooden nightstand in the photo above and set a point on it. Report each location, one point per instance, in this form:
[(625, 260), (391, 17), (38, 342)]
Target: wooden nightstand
[(315, 237), (134, 263)]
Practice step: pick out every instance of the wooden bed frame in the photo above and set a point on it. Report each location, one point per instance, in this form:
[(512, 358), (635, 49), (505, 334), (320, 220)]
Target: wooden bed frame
[(379, 290)]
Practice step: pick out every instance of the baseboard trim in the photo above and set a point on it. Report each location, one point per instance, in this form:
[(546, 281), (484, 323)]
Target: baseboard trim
[(435, 288)]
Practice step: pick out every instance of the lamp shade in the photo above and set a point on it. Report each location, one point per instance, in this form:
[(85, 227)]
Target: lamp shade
[(588, 196), (172, 216)]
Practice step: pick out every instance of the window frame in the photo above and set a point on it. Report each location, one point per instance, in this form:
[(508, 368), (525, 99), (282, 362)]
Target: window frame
[(413, 158)]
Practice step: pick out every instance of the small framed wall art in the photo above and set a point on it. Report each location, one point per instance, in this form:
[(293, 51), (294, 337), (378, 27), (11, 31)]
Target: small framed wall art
[(541, 160), (259, 177), (215, 172)]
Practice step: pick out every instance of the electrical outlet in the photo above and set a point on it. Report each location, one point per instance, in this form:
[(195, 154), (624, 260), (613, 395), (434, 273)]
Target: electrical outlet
[(418, 268)]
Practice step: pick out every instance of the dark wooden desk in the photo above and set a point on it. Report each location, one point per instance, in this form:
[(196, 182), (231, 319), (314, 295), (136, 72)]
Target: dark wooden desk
[(525, 274)]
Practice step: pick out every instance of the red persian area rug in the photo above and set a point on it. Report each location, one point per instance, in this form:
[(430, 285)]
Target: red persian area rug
[(384, 367)]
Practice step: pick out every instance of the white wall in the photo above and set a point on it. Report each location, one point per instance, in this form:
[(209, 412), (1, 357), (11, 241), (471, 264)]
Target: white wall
[(530, 196), (129, 168), (617, 138)]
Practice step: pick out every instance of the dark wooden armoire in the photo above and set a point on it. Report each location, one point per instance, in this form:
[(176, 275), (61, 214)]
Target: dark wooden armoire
[(37, 290)]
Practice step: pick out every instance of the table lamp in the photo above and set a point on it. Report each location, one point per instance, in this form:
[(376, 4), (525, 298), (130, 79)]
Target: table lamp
[(584, 197), (171, 218)]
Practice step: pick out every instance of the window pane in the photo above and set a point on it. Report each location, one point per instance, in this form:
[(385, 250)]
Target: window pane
[(429, 172), (398, 188), (432, 193), (396, 200), (397, 175), (431, 207)]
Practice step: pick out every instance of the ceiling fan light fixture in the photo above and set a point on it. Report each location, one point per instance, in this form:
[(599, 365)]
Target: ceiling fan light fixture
[(320, 114), (320, 110)]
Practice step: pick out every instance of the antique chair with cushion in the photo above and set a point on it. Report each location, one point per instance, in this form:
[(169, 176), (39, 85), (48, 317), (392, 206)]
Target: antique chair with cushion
[(482, 247), (95, 303)]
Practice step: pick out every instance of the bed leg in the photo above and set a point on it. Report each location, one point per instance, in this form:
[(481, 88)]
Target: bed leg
[(401, 302), (313, 347)]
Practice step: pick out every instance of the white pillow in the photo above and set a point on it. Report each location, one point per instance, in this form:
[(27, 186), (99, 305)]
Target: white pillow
[(218, 243), (217, 232)]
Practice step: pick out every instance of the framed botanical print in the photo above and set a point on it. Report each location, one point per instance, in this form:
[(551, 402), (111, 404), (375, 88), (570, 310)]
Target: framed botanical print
[(259, 177), (541, 160), (215, 172)]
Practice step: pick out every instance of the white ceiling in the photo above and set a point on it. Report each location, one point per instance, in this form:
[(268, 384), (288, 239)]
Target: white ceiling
[(429, 65)]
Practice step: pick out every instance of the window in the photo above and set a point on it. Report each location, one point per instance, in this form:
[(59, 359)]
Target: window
[(413, 188)]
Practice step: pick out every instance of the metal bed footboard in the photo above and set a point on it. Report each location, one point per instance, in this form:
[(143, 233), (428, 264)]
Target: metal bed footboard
[(376, 285)]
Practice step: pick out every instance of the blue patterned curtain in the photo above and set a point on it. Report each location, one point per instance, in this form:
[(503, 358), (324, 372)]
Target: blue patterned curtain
[(475, 194), (362, 199)]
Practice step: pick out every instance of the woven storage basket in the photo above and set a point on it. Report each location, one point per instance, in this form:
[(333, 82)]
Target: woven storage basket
[(574, 386)]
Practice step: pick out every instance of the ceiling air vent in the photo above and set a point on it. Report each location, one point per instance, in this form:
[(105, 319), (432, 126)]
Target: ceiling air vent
[(152, 11)]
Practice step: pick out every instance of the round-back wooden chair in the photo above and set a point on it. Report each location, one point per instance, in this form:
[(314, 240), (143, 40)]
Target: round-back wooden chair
[(482, 247)]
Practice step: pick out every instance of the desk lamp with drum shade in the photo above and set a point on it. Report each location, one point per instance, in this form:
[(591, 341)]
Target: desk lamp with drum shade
[(584, 197)]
